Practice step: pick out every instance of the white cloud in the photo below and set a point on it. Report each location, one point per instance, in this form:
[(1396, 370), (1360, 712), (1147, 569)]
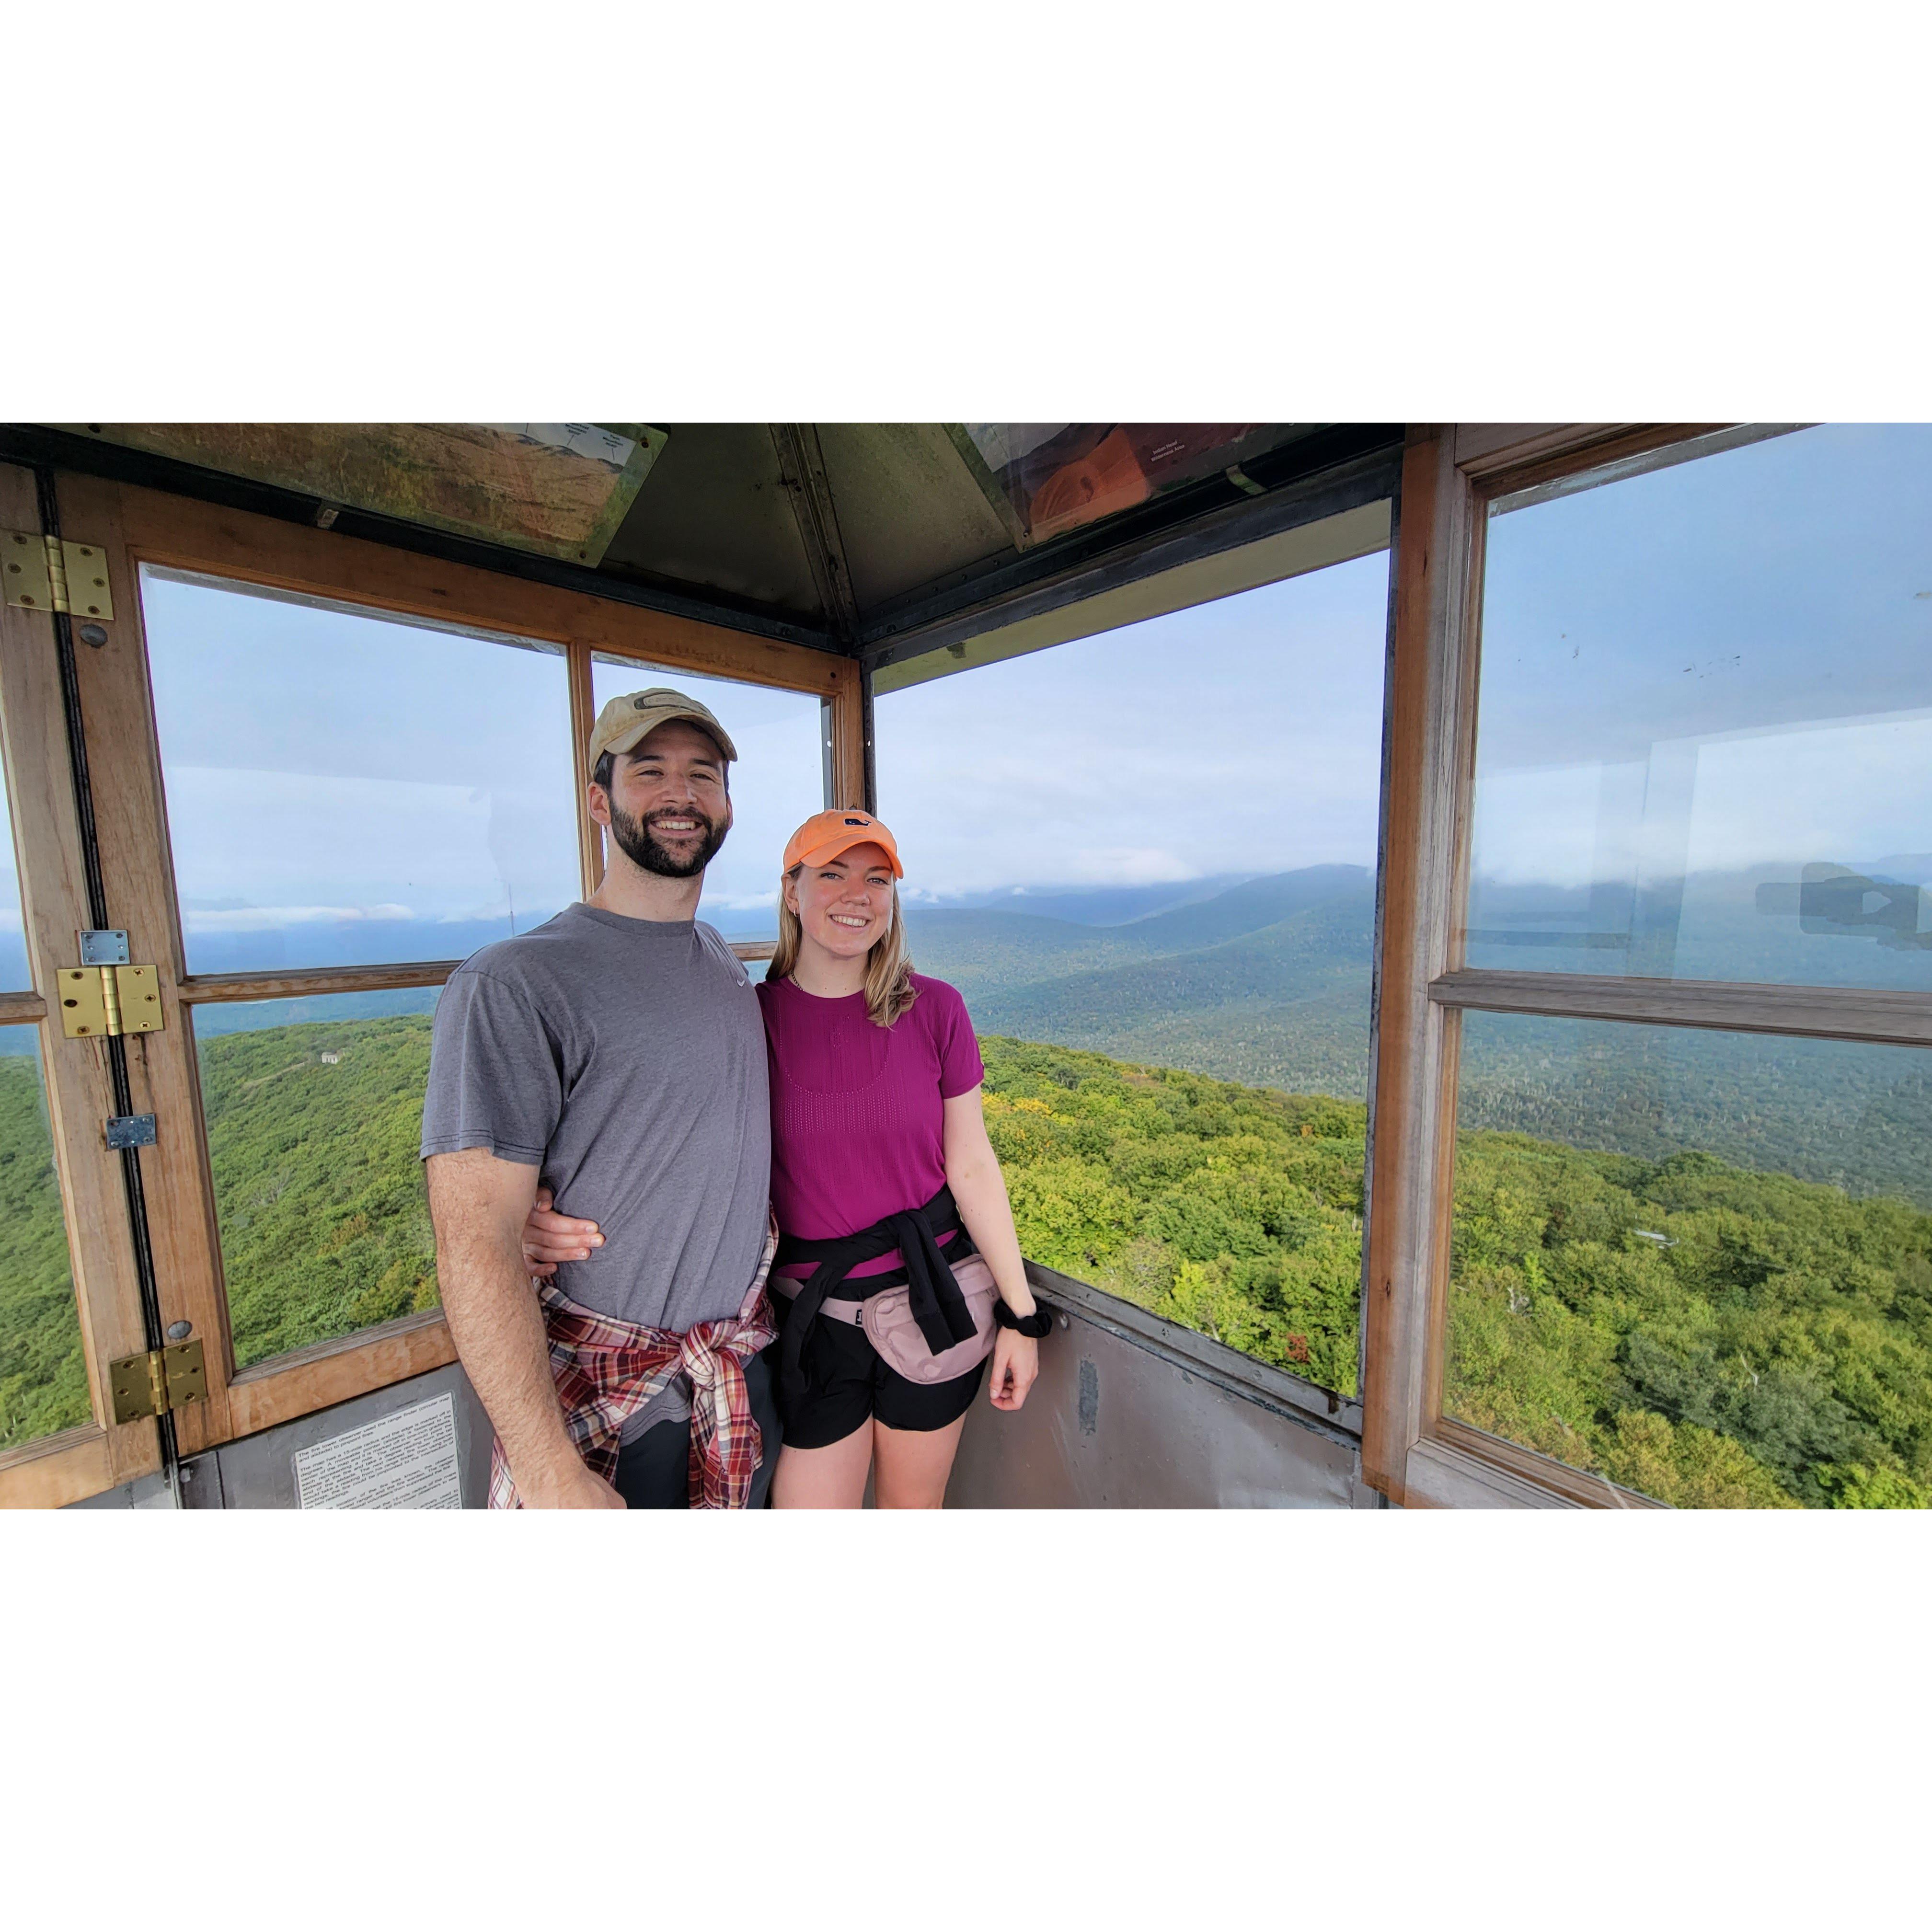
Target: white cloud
[(715, 902), (277, 918), (1245, 736), (304, 843), (1829, 792), (1855, 789)]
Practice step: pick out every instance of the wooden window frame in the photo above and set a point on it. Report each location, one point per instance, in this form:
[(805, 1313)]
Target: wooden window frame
[(137, 527), (1451, 475), (99, 1454), (1325, 1410)]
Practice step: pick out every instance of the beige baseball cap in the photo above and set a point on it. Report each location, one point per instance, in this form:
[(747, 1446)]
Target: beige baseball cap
[(624, 720)]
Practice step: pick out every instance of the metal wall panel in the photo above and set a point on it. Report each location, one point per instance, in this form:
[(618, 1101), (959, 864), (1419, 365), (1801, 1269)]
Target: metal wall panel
[(149, 1493), (258, 1472), (1115, 1423)]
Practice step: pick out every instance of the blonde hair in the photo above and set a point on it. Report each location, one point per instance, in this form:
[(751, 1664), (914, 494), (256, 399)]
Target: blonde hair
[(889, 991)]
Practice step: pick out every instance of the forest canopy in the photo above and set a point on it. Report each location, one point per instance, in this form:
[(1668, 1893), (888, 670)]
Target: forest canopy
[(1710, 1335)]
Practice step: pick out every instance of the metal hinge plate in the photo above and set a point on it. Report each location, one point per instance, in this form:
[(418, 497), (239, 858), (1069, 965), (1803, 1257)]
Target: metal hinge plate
[(23, 568), (88, 593), (161, 1380), (104, 1001), (104, 946), (130, 1130), (42, 574)]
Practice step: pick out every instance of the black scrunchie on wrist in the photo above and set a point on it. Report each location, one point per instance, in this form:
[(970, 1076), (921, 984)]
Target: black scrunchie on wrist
[(1033, 1326)]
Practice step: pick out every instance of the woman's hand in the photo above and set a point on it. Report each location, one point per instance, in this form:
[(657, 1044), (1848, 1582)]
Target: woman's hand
[(549, 1237), (1016, 1367)]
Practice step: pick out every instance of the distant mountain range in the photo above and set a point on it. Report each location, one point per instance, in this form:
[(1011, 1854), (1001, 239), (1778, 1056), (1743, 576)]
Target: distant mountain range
[(1266, 983), (1084, 905)]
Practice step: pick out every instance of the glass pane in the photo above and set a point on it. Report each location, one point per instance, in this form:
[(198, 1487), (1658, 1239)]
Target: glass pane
[(1049, 478), (559, 489), (14, 976), (43, 1369), (1697, 1263), (314, 1111), (1704, 739), (777, 783), (350, 790), (1150, 856)]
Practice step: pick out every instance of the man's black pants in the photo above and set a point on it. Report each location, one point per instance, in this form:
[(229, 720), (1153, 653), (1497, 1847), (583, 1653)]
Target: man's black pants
[(654, 1472)]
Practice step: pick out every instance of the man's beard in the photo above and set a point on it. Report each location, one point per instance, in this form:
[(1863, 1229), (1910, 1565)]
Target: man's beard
[(633, 836)]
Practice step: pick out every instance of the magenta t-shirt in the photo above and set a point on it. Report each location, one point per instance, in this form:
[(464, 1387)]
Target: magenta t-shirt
[(858, 1111)]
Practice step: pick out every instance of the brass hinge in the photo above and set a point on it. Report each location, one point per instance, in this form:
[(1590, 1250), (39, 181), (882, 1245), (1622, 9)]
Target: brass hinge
[(107, 1000), (162, 1379), (45, 574)]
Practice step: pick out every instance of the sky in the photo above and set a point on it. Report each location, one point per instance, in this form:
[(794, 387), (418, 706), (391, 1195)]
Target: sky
[(1721, 664), (777, 784), (336, 783), (326, 771), (1242, 735), (14, 977)]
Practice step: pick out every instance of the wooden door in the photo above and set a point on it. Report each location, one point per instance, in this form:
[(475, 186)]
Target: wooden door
[(70, 1293)]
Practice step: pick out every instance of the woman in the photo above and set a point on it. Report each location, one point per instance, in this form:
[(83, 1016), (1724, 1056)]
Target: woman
[(898, 1270)]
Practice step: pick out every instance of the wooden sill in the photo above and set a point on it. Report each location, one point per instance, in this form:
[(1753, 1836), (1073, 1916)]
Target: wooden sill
[(1457, 1461), (57, 1469), (327, 1372)]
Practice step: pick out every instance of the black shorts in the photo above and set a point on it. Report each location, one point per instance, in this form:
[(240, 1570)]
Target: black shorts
[(847, 1381), (654, 1470)]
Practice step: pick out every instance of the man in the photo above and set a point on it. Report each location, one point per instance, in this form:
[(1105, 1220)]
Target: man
[(616, 1056)]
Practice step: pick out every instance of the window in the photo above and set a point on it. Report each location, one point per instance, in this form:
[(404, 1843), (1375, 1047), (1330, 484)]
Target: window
[(43, 1367), (69, 1294), (14, 973), (314, 1113), (1691, 1244), (1704, 742), (347, 789), (777, 783), (1697, 1263), (1146, 859)]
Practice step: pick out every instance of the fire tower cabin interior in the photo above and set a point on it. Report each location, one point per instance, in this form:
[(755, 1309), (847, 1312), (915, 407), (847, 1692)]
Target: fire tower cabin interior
[(1447, 910)]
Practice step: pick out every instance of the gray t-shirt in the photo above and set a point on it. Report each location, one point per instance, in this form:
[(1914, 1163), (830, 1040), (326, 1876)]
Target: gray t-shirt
[(625, 1059)]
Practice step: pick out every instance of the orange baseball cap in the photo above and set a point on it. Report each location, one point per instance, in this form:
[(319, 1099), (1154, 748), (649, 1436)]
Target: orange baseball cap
[(827, 834)]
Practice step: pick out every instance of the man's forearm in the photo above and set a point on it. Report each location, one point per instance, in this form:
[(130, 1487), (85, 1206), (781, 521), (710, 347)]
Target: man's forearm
[(497, 1325)]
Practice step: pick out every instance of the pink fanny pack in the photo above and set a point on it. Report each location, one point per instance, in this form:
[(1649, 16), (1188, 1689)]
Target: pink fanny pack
[(887, 1319)]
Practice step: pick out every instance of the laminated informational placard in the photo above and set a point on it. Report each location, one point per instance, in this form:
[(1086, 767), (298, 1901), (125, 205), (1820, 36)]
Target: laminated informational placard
[(404, 1461)]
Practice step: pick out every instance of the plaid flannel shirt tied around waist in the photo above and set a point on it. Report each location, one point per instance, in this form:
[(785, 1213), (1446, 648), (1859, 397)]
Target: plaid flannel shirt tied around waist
[(607, 1370)]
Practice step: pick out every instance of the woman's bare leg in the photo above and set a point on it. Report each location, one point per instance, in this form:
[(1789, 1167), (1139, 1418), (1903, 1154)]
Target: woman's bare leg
[(912, 1465), (833, 1477)]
